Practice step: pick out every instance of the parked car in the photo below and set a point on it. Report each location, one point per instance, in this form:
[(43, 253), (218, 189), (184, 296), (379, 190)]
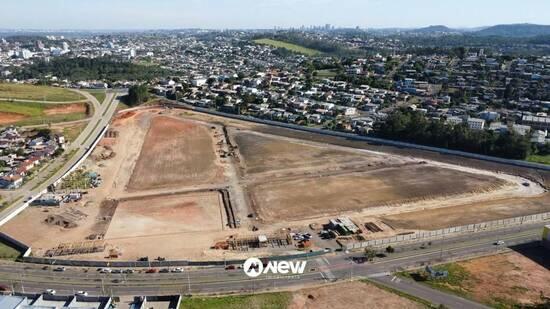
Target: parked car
[(61, 268), (177, 270), (116, 271), (151, 271), (164, 270), (230, 267), (499, 243), (105, 270), (82, 293), (50, 291), (129, 271)]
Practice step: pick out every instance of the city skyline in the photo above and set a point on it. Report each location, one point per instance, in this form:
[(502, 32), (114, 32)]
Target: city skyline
[(248, 14)]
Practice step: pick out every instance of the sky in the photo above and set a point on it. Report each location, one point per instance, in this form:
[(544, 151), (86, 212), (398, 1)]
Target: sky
[(239, 14)]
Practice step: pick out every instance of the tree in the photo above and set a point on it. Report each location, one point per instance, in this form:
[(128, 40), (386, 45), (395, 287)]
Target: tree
[(370, 254), (390, 249), (137, 95)]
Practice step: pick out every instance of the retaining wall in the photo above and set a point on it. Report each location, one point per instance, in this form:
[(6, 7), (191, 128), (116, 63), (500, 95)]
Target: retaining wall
[(449, 232), (373, 140)]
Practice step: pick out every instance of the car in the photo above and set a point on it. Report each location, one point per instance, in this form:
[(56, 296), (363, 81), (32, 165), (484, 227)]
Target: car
[(164, 270), (81, 293), (50, 291), (60, 269), (151, 271), (105, 270), (129, 271), (499, 243), (177, 270), (230, 267), (116, 271)]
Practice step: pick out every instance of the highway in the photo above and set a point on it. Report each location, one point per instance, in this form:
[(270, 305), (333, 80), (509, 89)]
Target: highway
[(332, 267), (58, 167)]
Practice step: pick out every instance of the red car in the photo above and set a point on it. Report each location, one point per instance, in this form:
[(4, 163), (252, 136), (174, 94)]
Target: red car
[(151, 271)]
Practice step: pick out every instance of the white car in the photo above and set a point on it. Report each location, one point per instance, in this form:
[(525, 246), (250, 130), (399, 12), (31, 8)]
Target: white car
[(105, 271), (177, 270), (50, 292), (82, 293)]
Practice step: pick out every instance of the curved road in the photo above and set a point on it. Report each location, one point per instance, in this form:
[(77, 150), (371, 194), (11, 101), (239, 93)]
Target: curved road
[(55, 169)]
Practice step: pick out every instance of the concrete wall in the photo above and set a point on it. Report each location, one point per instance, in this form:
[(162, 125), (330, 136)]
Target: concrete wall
[(449, 232), (16, 244), (373, 140)]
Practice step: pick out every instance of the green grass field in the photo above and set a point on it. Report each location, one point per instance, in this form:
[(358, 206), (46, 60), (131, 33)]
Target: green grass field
[(539, 159), (30, 113), (289, 46), (455, 283), (37, 93), (326, 73), (8, 253), (258, 301), (98, 94), (71, 133)]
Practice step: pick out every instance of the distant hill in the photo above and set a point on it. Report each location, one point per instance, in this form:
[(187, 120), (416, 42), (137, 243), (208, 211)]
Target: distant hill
[(434, 29), (515, 30)]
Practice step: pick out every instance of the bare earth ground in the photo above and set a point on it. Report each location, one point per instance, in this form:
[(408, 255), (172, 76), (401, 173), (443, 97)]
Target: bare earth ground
[(510, 276), (161, 162), (348, 295), (470, 213), (175, 153), (309, 197), (66, 109), (7, 118), (171, 214), (263, 153)]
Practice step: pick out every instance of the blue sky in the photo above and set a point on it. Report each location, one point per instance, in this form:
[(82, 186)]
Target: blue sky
[(167, 14)]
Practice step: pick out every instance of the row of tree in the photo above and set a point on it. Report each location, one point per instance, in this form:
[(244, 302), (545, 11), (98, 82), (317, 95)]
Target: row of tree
[(410, 126), (104, 68)]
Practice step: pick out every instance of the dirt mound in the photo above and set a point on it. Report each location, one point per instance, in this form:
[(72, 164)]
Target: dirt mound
[(67, 219)]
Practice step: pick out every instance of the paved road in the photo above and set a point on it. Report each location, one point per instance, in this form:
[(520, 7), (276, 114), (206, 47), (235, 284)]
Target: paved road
[(43, 102), (427, 293), (328, 268), (101, 118)]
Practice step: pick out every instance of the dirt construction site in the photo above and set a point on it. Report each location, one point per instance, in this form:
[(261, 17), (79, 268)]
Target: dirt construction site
[(184, 185)]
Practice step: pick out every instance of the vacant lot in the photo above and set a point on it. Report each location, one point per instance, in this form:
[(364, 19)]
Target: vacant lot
[(154, 216), (30, 113), (262, 153), (312, 197), (99, 94), (503, 281), (175, 153), (470, 213), (39, 93), (349, 295), (344, 295), (289, 46)]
